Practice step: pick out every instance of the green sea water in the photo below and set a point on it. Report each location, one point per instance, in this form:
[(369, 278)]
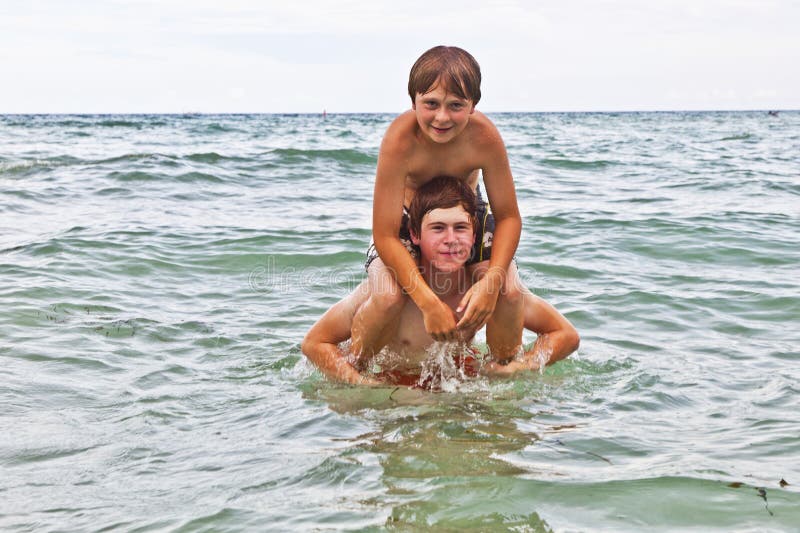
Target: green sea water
[(158, 272)]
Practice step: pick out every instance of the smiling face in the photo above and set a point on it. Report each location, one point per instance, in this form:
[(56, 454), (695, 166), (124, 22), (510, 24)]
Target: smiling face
[(446, 238), (441, 114)]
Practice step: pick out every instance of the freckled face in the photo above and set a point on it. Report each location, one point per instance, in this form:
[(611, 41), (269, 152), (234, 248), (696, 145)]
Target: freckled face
[(442, 115), (446, 238)]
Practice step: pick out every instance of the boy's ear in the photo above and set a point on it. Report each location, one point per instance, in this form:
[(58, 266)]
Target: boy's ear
[(414, 238)]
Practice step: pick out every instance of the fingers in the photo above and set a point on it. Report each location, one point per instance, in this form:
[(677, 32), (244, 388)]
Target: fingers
[(474, 319), (479, 308), (464, 301), (440, 323), (446, 336), (468, 320)]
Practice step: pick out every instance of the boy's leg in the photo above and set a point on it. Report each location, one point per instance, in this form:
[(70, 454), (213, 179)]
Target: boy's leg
[(504, 328), (376, 320)]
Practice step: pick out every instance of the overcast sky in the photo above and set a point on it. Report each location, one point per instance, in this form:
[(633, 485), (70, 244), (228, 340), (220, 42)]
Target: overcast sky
[(135, 56)]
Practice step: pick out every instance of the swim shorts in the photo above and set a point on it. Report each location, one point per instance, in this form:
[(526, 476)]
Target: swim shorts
[(467, 363), (481, 250)]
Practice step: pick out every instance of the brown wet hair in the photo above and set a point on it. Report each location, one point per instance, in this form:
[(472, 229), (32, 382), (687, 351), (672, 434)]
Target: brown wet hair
[(441, 192), (455, 67)]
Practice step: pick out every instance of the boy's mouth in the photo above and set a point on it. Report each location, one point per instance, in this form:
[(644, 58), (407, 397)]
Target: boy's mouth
[(441, 130)]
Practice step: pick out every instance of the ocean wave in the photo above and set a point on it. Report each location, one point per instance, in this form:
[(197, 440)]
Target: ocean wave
[(113, 191), (47, 163), (575, 164), (217, 128), (134, 175), (211, 157), (184, 177), (195, 177), (119, 124), (561, 271), (343, 155), (739, 137), (151, 157)]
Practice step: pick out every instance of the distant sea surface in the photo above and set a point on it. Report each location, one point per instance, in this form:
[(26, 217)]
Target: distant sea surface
[(158, 272)]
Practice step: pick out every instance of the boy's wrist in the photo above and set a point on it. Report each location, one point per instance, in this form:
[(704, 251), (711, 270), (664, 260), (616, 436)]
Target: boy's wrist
[(495, 277), (496, 270), (427, 303)]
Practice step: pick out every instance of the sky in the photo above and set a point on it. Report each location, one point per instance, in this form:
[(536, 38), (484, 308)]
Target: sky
[(306, 56)]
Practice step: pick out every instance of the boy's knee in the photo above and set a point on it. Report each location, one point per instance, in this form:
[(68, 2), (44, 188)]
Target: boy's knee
[(511, 293)]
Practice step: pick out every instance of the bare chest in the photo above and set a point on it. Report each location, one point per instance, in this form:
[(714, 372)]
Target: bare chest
[(411, 340), (411, 337), (423, 166)]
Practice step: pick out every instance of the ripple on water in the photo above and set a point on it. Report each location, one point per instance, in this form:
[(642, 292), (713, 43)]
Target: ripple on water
[(142, 355)]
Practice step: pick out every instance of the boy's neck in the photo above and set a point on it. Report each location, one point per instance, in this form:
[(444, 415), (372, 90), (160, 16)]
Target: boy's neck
[(442, 283)]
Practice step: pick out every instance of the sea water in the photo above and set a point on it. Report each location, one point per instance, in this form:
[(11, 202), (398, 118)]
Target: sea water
[(158, 272)]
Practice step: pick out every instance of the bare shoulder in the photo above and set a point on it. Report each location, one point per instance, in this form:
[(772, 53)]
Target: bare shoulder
[(400, 136), (484, 133)]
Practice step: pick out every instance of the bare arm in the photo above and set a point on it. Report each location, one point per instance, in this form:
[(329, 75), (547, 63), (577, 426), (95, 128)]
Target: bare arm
[(387, 213), (480, 301), (503, 201), (321, 343), (557, 338)]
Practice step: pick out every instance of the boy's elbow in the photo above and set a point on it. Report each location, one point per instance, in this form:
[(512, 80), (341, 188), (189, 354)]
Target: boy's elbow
[(307, 345), (572, 339)]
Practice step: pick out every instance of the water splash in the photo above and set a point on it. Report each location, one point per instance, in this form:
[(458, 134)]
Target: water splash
[(542, 352), (445, 367)]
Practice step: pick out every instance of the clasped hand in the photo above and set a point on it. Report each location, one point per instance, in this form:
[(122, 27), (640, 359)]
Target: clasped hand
[(477, 305)]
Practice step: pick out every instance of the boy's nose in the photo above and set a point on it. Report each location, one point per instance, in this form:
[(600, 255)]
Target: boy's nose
[(441, 115)]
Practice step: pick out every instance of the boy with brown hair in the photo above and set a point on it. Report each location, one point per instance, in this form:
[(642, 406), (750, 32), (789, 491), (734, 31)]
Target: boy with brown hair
[(442, 226), (443, 134)]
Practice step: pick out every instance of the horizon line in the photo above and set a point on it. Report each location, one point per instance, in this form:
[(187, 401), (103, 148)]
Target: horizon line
[(321, 113)]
